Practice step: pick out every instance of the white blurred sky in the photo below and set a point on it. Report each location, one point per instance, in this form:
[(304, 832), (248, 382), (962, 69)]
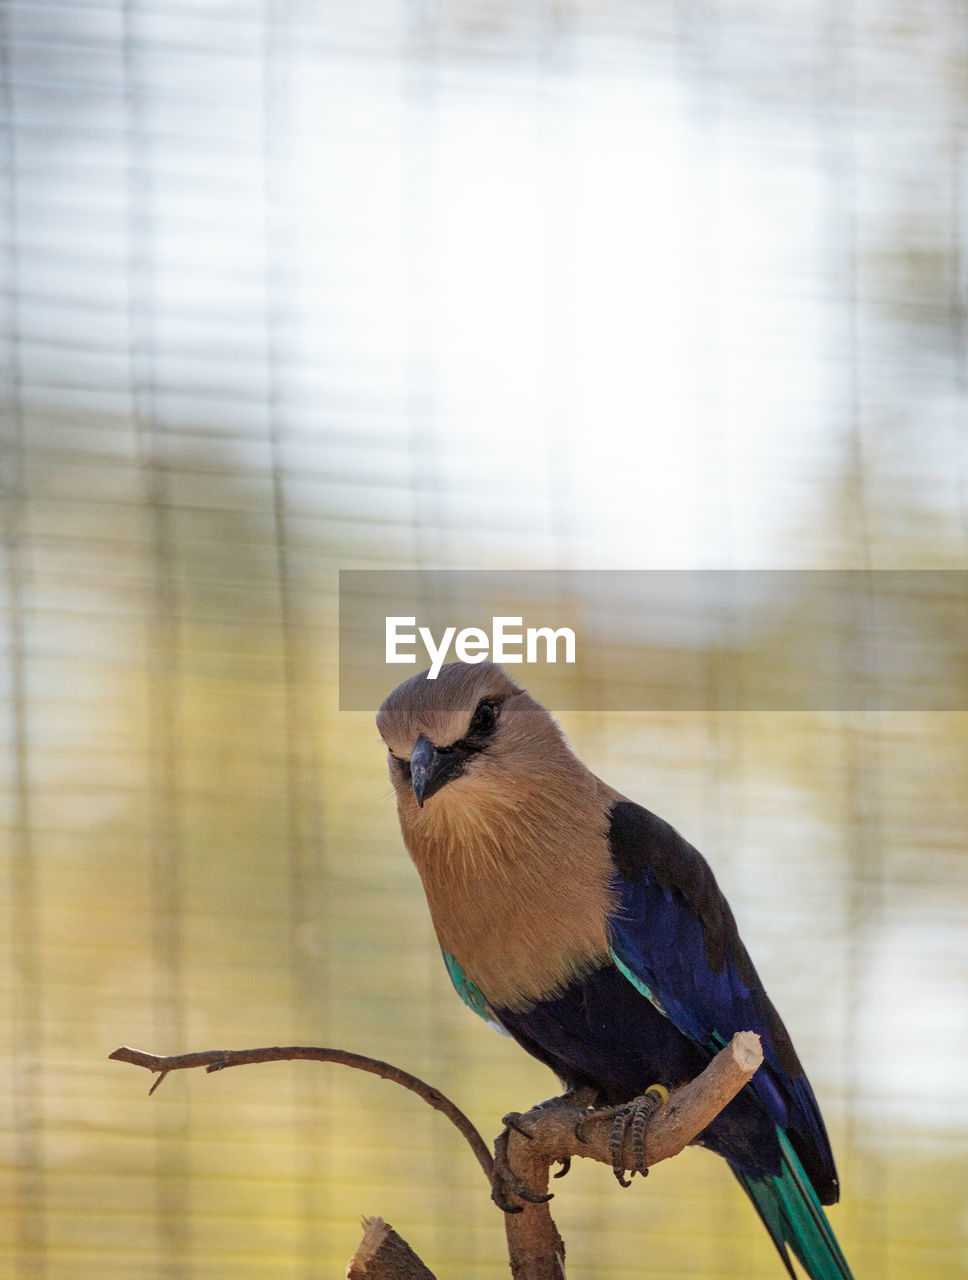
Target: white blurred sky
[(616, 299)]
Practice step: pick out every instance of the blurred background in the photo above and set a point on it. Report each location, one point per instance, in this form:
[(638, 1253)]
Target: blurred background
[(298, 286)]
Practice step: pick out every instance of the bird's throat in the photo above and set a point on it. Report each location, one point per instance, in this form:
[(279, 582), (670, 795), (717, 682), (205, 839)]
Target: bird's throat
[(520, 900)]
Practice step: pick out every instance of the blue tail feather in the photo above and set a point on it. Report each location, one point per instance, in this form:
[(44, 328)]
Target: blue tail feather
[(793, 1216)]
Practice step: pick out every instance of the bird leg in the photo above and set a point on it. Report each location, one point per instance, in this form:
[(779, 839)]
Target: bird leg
[(505, 1179), (629, 1121)]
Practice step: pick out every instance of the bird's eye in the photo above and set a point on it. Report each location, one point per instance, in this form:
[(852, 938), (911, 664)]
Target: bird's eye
[(485, 717)]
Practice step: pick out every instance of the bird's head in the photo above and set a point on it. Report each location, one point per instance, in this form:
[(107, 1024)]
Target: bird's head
[(473, 727)]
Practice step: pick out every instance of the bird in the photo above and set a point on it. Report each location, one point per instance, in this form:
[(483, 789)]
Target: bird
[(595, 935)]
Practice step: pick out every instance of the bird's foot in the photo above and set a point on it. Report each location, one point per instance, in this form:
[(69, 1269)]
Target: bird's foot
[(629, 1122), (505, 1180)]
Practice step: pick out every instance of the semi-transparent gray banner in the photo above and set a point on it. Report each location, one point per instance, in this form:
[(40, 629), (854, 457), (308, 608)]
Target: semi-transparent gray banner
[(620, 640)]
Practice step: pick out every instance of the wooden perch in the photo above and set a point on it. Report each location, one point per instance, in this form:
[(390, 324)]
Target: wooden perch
[(383, 1255), (549, 1136), (688, 1111), (536, 1249)]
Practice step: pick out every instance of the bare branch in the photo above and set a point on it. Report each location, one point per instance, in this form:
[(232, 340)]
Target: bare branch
[(219, 1059)]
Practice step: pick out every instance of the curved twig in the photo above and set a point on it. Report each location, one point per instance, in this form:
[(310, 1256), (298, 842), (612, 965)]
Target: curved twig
[(219, 1059)]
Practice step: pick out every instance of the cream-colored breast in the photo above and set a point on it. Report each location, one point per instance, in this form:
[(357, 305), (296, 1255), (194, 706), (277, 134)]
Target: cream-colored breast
[(518, 891)]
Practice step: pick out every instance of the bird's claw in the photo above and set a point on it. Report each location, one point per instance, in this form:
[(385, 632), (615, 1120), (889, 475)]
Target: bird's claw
[(629, 1123), (616, 1142), (506, 1182), (580, 1124), (501, 1200), (505, 1179), (510, 1121)]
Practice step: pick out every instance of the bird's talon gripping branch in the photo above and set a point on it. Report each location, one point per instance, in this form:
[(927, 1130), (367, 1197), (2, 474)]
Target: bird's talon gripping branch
[(616, 1143), (637, 1127), (505, 1179), (629, 1123), (503, 1203), (643, 1109), (580, 1124), (510, 1121)]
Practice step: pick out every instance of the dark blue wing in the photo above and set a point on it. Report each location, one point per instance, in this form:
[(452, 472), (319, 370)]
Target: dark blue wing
[(674, 937)]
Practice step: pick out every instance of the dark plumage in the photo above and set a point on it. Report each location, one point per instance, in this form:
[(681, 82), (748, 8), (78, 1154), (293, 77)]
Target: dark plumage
[(594, 934)]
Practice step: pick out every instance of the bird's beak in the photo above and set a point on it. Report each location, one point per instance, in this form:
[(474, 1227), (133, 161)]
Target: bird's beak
[(433, 767)]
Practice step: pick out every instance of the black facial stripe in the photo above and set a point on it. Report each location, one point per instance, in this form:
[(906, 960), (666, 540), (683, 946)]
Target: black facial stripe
[(462, 749), (452, 764), (404, 764)]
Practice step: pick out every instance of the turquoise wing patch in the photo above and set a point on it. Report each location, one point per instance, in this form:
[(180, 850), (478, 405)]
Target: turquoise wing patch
[(642, 987), (472, 996)]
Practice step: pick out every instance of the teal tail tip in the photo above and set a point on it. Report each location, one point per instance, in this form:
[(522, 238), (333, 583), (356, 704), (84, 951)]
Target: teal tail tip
[(794, 1217)]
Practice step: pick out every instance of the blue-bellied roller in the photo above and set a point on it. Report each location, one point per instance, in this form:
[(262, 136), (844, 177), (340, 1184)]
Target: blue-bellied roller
[(596, 936)]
